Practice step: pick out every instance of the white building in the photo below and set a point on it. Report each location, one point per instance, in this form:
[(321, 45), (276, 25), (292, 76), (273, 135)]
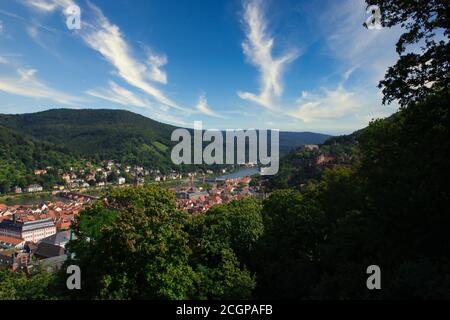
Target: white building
[(27, 231), (34, 188)]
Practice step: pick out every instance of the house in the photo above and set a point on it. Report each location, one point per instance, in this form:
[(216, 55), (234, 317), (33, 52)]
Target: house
[(47, 250), (14, 259), (197, 195), (60, 238), (17, 189), (66, 177), (90, 177), (40, 172), (27, 231), (121, 180), (311, 147), (10, 242), (34, 188), (323, 159)]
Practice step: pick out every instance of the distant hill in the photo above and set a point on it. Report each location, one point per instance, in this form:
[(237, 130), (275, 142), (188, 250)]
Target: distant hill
[(292, 140), (98, 134), (20, 154), (116, 134), (302, 164)]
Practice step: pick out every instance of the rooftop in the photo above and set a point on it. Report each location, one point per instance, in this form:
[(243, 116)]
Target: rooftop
[(26, 226)]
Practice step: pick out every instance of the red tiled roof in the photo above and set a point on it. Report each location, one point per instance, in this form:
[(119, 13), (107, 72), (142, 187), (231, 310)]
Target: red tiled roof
[(10, 240)]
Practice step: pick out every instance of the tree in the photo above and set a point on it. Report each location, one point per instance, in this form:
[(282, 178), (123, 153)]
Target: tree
[(143, 254), (223, 242), (286, 262), (393, 212), (18, 286), (404, 163), (416, 75), (135, 244)]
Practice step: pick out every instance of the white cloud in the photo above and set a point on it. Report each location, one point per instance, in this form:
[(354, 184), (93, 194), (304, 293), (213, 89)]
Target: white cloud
[(3, 60), (48, 5), (119, 95), (107, 39), (167, 118), (202, 106), (155, 63), (370, 51), (27, 85), (125, 97), (331, 105), (258, 50)]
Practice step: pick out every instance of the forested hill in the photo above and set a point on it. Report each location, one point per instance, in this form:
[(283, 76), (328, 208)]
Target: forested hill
[(20, 154), (102, 134), (115, 134), (307, 163)]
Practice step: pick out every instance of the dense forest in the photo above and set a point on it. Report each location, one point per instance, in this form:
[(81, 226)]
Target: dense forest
[(116, 134), (21, 154), (99, 134)]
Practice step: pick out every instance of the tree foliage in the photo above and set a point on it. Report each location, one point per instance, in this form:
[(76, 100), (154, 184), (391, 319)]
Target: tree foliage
[(148, 249), (421, 72)]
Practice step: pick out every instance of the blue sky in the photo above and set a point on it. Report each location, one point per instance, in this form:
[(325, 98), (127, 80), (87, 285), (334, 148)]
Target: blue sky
[(286, 64)]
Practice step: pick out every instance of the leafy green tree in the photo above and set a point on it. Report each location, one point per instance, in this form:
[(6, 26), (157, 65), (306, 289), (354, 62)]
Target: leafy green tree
[(223, 242), (287, 253), (143, 254), (393, 212), (404, 165), (93, 219), (135, 244), (18, 286), (417, 74)]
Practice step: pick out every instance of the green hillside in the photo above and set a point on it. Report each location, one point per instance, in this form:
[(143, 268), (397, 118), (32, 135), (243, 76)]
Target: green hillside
[(98, 134), (116, 134), (20, 154)]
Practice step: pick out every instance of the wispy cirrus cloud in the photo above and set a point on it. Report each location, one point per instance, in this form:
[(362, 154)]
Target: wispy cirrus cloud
[(42, 39), (155, 62), (46, 6), (107, 39), (369, 51), (26, 84), (119, 95), (258, 47), (328, 105), (360, 52), (203, 107)]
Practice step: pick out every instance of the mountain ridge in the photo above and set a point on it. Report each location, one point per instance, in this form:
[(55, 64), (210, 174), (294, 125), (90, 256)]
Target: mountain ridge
[(55, 124)]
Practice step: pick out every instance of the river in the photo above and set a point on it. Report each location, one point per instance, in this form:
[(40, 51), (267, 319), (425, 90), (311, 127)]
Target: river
[(244, 172)]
